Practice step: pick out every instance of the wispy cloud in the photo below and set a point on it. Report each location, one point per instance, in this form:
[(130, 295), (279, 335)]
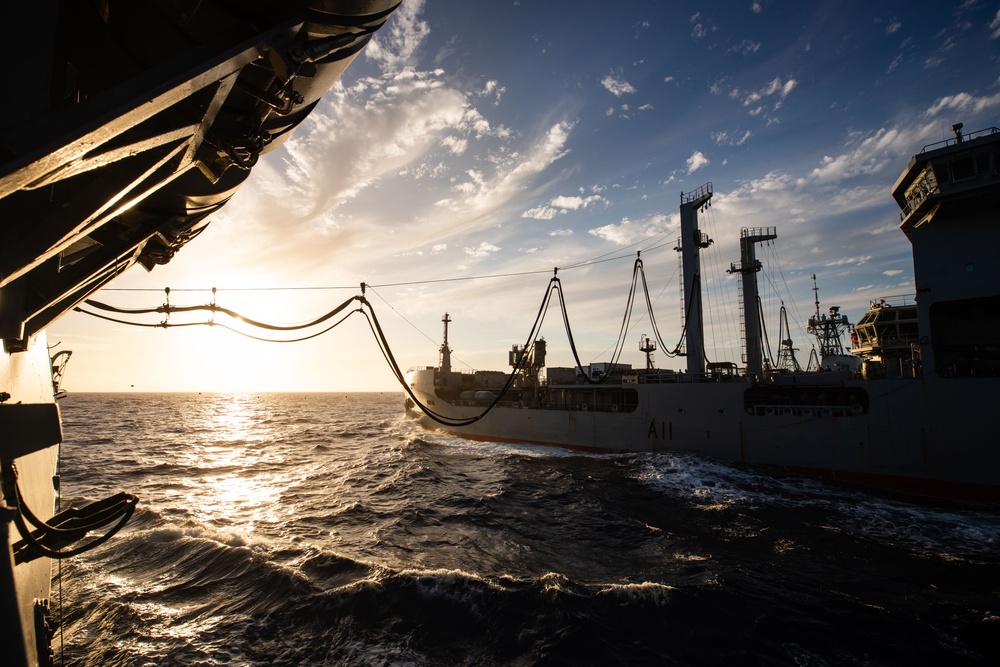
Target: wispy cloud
[(616, 85), (746, 47), (731, 139), (775, 88), (762, 102), (415, 128), (964, 102)]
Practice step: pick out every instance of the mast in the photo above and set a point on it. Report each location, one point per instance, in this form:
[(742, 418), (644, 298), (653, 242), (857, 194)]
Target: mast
[(827, 330), (648, 347), (691, 242), (445, 364), (748, 267)]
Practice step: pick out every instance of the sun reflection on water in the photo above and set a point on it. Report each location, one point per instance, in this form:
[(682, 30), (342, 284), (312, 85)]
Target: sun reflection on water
[(232, 437)]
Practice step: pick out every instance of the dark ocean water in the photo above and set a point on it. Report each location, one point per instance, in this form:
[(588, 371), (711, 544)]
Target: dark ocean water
[(324, 529)]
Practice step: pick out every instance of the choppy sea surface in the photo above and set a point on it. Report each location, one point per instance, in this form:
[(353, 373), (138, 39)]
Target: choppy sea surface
[(325, 529)]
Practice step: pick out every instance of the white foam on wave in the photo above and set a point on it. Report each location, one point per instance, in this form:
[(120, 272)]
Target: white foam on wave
[(923, 529), (645, 593), (709, 484)]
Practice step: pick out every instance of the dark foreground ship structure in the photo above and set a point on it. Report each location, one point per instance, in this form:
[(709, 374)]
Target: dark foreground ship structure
[(125, 126), (914, 408)]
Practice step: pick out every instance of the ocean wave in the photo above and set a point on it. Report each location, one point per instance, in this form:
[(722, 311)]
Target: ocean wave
[(926, 530)]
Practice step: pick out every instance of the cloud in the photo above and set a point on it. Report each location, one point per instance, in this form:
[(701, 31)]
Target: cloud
[(494, 90), (995, 26), (574, 203), (850, 261), (629, 231), (484, 249), (963, 102), (756, 8), (480, 194), (746, 47), (562, 204), (696, 162), (886, 148), (701, 28), (617, 86), (763, 101), (726, 139), (408, 130), (892, 272), (561, 232), (439, 248), (869, 155), (775, 87), (893, 27), (395, 46), (541, 213), (455, 145)]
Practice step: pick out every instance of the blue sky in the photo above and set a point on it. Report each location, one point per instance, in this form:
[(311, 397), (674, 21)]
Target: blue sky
[(490, 138)]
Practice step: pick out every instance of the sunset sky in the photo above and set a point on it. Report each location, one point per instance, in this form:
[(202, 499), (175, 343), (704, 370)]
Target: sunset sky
[(476, 139)]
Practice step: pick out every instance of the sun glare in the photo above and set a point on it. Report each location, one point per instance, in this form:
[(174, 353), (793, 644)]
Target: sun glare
[(222, 492)]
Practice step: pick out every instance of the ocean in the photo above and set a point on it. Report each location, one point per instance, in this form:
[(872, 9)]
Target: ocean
[(326, 529)]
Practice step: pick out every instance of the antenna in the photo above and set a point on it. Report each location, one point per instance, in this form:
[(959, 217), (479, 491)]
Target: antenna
[(648, 346), (816, 295), (445, 350)]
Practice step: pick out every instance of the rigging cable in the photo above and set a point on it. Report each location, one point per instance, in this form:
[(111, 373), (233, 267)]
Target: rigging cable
[(620, 343), (765, 340), (214, 308), (365, 308), (652, 317), (376, 328), (569, 332)]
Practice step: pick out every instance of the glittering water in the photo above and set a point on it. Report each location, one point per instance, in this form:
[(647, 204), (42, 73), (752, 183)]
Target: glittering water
[(324, 529)]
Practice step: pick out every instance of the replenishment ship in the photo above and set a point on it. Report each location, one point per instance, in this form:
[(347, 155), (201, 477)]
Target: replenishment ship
[(130, 125), (912, 408)]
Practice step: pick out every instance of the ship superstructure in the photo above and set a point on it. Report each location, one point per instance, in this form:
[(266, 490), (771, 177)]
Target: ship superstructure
[(909, 407), (126, 127)]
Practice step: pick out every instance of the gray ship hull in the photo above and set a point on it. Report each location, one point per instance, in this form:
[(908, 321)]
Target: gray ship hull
[(908, 437)]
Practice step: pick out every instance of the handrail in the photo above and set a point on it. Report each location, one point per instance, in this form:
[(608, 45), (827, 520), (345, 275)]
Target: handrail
[(965, 137)]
